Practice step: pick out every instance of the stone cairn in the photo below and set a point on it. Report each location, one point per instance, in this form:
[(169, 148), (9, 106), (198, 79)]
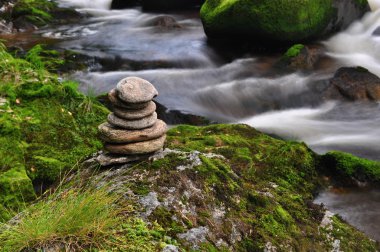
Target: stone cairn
[(132, 132)]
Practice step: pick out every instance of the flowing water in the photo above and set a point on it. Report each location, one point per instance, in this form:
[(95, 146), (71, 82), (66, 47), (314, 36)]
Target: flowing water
[(193, 77)]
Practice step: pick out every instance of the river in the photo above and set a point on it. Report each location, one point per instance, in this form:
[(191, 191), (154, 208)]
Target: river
[(195, 78)]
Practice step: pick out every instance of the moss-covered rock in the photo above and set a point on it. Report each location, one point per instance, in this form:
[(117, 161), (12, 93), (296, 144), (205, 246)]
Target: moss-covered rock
[(348, 169), (231, 188), (289, 21)]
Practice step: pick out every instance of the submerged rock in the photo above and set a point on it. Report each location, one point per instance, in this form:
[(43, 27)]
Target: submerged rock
[(164, 21), (277, 20)]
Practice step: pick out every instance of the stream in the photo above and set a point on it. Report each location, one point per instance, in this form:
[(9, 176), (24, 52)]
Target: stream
[(195, 78)]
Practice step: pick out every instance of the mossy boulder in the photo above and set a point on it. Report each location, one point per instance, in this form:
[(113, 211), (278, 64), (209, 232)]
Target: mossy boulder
[(277, 20)]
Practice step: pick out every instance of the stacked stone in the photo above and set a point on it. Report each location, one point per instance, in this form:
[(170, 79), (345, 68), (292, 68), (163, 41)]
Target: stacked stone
[(132, 130)]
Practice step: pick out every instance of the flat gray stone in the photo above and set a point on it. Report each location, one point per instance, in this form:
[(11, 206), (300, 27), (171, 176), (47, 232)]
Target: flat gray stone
[(135, 114), (135, 90), (108, 159), (142, 123), (111, 134), (137, 148), (116, 102)]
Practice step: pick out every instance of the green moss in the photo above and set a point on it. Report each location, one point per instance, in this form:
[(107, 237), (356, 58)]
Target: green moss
[(49, 126), (34, 11), (16, 189), (165, 219), (293, 51), (278, 20), (346, 166)]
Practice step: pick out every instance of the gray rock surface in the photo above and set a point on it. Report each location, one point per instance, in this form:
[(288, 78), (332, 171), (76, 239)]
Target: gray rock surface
[(142, 123), (136, 113), (111, 134), (117, 102), (108, 160), (135, 90), (137, 148)]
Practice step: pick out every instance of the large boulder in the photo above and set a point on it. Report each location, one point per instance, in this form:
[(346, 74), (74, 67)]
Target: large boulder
[(277, 20), (159, 5)]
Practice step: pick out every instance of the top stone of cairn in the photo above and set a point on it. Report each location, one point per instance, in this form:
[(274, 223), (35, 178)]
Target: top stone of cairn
[(135, 90)]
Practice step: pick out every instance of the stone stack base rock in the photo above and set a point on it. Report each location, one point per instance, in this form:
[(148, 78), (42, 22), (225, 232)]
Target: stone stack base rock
[(132, 132)]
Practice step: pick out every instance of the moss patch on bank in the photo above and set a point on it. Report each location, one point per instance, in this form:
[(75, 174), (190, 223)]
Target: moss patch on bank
[(46, 127)]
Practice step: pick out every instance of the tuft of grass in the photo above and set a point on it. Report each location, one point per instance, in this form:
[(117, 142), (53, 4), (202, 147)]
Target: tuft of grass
[(76, 219)]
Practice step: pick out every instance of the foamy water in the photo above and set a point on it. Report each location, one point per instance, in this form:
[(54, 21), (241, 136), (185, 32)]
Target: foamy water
[(358, 45), (87, 4), (374, 4)]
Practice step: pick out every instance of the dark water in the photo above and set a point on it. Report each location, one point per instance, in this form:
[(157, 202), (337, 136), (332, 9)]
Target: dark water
[(195, 78), (360, 208)]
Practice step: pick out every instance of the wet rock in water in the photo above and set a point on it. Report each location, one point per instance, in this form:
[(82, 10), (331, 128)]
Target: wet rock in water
[(145, 147), (117, 102), (123, 4), (376, 32), (110, 134), (132, 129), (135, 90), (142, 123), (135, 114), (299, 58), (353, 84), (164, 21)]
